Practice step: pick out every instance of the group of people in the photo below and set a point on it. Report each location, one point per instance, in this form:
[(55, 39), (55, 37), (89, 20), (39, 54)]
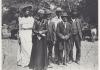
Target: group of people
[(38, 37)]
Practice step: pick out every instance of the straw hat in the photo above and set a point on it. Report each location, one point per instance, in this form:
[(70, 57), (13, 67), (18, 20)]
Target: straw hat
[(59, 9), (64, 14), (23, 7)]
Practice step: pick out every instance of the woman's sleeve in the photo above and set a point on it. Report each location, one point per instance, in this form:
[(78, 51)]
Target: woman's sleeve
[(34, 27)]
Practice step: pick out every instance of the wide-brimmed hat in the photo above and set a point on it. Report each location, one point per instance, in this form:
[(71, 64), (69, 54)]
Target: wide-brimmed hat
[(23, 7)]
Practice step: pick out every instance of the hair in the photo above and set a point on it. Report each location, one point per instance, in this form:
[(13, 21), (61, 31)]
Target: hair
[(21, 14)]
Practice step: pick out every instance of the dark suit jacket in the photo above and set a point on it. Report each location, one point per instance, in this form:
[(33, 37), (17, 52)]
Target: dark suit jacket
[(62, 31)]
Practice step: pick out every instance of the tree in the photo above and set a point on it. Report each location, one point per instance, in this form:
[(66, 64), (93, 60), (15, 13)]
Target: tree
[(88, 8)]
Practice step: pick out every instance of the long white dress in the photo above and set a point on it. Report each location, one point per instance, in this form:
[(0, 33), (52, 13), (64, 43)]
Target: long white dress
[(25, 36)]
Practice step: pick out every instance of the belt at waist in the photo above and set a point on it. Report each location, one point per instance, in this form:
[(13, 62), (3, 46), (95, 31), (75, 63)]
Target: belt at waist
[(26, 28)]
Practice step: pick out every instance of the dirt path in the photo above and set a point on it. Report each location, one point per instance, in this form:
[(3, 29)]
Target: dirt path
[(89, 57)]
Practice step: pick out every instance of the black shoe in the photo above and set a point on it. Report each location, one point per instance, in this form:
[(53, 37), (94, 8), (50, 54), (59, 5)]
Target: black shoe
[(64, 63)]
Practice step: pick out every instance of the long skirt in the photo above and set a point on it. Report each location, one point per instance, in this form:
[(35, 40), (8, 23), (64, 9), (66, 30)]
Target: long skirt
[(24, 52), (39, 59)]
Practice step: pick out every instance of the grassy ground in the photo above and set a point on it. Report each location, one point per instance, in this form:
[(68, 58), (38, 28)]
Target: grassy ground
[(89, 57)]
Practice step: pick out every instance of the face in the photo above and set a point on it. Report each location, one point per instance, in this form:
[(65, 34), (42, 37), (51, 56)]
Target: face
[(40, 15), (64, 19), (58, 13), (27, 12)]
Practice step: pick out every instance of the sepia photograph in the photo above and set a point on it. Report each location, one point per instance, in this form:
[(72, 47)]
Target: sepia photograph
[(49, 34)]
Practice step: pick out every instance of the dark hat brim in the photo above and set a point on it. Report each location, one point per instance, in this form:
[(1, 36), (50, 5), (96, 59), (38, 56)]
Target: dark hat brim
[(64, 16)]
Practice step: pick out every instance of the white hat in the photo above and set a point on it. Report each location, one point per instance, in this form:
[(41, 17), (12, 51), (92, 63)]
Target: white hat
[(58, 9)]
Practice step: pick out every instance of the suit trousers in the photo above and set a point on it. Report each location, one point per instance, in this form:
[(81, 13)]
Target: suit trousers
[(77, 40), (56, 50), (63, 50)]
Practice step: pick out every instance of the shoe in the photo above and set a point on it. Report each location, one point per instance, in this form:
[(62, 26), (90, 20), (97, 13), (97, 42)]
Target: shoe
[(78, 62), (18, 65), (70, 62), (49, 66)]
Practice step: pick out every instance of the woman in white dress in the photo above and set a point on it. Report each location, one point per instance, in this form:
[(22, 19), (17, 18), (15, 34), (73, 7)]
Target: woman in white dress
[(26, 22)]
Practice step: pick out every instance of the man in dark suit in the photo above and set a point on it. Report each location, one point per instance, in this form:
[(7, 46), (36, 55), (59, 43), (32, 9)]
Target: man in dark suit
[(63, 36), (76, 36)]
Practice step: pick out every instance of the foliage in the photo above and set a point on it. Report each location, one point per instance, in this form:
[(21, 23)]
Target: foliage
[(87, 8)]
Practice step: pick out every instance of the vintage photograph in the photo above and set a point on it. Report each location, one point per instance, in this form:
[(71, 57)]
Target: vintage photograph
[(49, 34)]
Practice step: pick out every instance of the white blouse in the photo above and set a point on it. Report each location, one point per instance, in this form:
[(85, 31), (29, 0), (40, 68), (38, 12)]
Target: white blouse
[(26, 22)]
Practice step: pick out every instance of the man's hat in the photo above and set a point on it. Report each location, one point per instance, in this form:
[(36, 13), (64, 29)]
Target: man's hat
[(64, 14), (59, 9), (75, 12)]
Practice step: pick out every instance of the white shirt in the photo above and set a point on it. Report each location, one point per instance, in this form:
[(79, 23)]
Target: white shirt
[(26, 22), (73, 20)]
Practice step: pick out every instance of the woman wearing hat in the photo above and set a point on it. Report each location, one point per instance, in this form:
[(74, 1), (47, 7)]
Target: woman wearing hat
[(39, 51), (26, 22)]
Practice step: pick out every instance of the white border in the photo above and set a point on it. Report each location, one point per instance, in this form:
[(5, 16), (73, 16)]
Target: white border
[(98, 35), (0, 36)]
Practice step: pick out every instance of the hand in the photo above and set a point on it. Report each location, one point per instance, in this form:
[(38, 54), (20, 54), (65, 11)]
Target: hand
[(40, 32), (43, 35), (63, 37), (66, 37)]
